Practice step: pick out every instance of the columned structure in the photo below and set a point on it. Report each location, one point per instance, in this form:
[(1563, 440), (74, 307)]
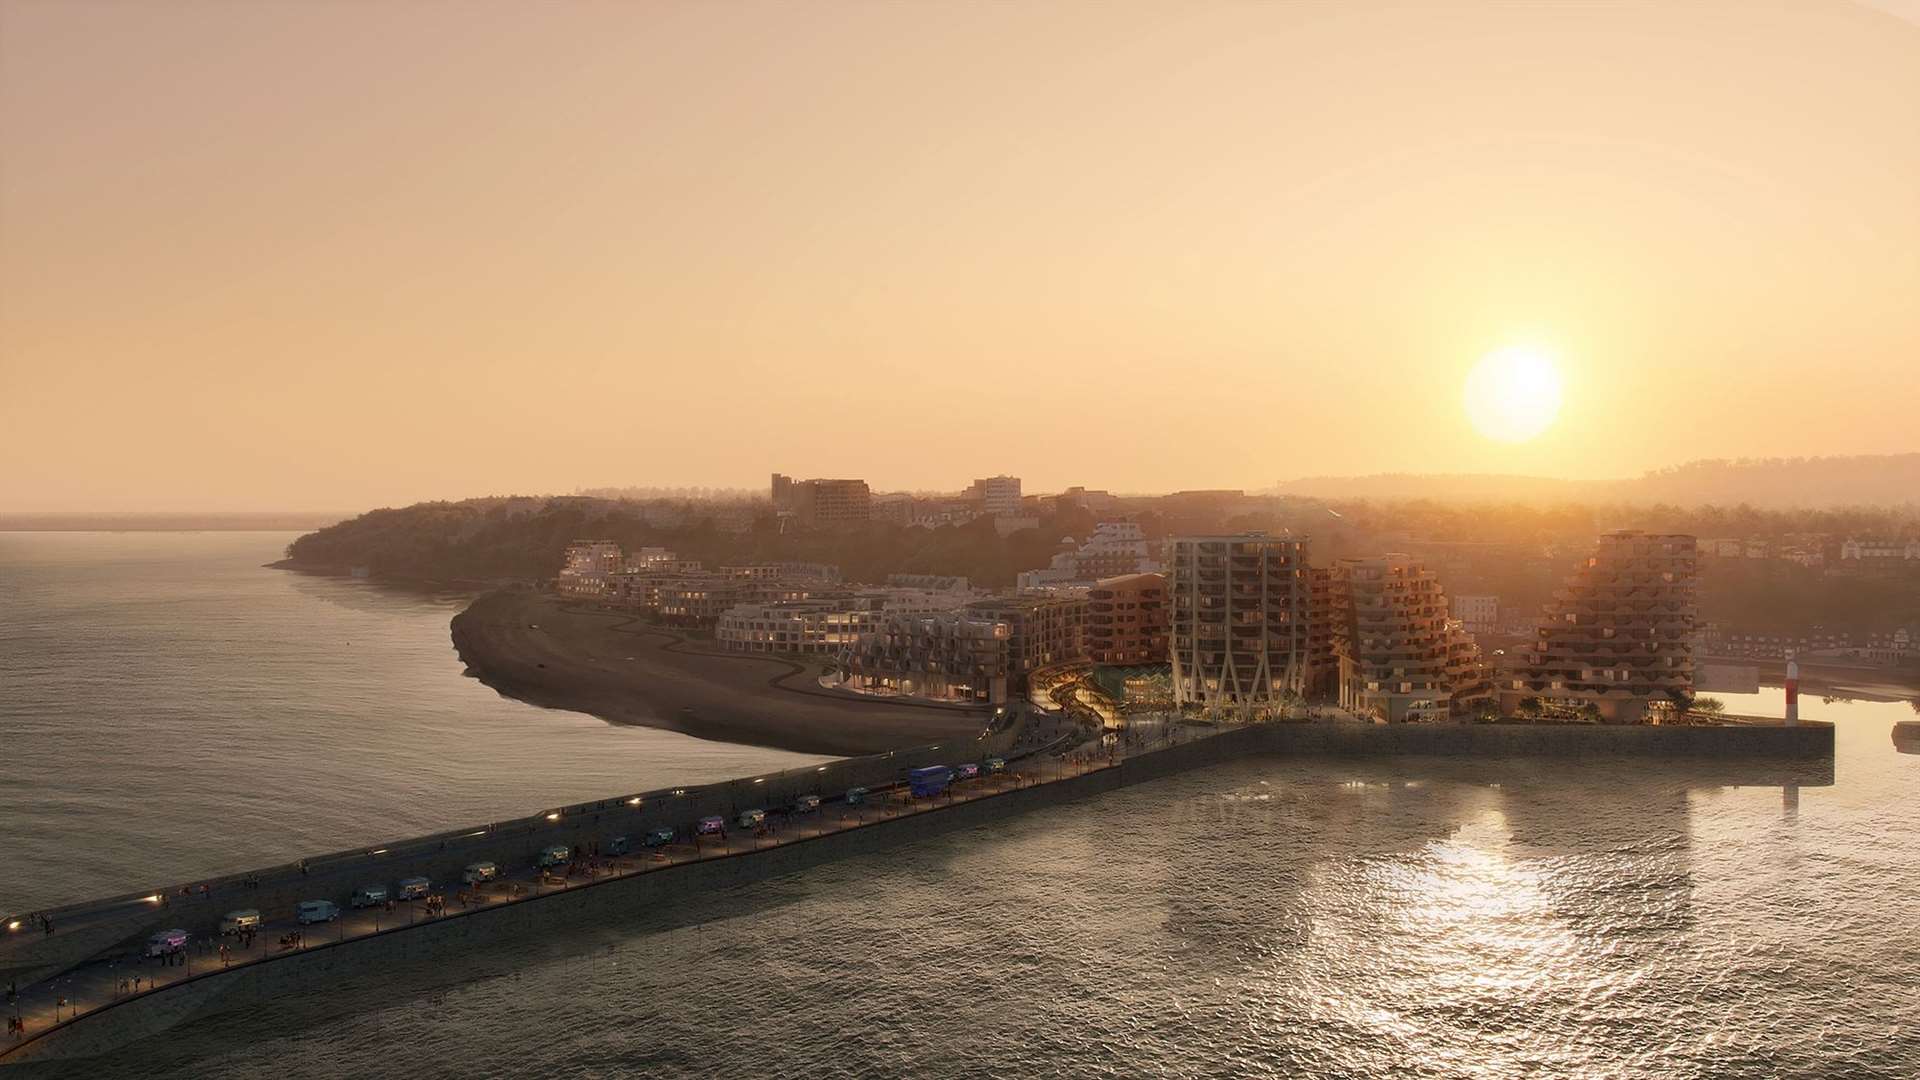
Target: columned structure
[(1241, 613)]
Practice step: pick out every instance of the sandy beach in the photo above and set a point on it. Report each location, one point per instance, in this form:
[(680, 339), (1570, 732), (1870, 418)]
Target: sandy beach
[(608, 664)]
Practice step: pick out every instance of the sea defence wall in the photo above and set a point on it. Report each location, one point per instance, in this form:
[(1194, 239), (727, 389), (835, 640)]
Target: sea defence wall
[(90, 927), (1721, 755)]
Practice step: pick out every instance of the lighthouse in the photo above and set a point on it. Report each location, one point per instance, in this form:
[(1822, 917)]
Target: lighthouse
[(1793, 691)]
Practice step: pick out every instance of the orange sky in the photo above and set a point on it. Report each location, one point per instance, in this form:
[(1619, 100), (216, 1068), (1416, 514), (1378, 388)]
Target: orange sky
[(334, 255)]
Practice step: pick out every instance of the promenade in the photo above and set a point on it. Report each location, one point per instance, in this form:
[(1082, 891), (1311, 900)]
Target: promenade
[(92, 965), (121, 973)]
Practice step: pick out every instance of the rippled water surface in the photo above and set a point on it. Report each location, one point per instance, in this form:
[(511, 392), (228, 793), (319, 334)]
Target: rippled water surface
[(1274, 917), (171, 709)]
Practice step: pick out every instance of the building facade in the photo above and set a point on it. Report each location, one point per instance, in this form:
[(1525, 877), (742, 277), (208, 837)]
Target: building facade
[(1400, 657), (821, 625), (588, 567), (1116, 549), (945, 656), (1241, 608), (1480, 613), (1127, 620), (997, 494), (819, 504), (1042, 631), (1617, 638)]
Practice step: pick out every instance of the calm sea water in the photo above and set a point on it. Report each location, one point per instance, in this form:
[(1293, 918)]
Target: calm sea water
[(170, 709), (1276, 917)]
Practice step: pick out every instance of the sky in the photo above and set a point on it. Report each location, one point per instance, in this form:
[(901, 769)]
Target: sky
[(274, 256)]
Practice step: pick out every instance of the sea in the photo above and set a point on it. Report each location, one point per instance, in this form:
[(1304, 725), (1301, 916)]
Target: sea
[(169, 708)]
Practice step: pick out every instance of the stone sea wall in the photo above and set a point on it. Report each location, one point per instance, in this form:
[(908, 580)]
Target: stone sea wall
[(1723, 755)]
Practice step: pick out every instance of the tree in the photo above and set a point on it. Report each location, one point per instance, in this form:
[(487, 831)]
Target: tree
[(1682, 702)]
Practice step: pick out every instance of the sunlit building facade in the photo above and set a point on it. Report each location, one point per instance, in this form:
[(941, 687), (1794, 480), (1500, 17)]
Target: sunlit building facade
[(1241, 613), (1617, 638), (1400, 657)]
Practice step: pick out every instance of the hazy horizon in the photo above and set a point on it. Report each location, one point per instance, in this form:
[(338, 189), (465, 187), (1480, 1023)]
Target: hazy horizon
[(268, 256)]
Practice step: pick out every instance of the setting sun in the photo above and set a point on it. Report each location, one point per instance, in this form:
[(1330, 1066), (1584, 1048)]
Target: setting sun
[(1513, 394)]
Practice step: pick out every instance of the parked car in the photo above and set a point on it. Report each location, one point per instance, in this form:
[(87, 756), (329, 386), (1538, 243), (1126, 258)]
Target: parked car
[(806, 804), (367, 896), (480, 872), (619, 845), (966, 772), (240, 922), (317, 911), (856, 796), (752, 819), (659, 837), (711, 826), (168, 942), (413, 888), (555, 855), (996, 765)]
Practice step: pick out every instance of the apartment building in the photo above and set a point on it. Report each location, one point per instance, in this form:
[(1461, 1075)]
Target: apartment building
[(1480, 613), (1241, 609), (1127, 620), (823, 503), (1400, 657), (1116, 549), (943, 656), (821, 625), (1617, 636), (996, 494), (588, 567), (1042, 631)]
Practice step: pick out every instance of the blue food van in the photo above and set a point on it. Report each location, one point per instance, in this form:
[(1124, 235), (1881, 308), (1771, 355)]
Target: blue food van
[(929, 780), (619, 845)]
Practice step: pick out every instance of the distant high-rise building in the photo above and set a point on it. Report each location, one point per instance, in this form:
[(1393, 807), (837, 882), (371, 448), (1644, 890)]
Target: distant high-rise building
[(823, 503), (1241, 611), (1617, 636), (997, 494)]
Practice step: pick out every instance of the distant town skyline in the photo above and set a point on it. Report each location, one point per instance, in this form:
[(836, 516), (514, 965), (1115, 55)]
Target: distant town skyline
[(303, 255)]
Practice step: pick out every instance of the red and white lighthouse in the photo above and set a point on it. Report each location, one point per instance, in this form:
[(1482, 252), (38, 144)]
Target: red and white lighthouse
[(1793, 691)]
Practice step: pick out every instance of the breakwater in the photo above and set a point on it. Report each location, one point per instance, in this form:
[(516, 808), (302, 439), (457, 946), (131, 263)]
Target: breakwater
[(1753, 755)]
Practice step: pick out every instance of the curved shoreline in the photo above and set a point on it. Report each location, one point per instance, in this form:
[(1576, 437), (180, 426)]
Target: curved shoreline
[(532, 648)]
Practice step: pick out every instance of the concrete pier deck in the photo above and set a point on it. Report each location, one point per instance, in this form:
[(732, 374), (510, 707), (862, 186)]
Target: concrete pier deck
[(86, 989)]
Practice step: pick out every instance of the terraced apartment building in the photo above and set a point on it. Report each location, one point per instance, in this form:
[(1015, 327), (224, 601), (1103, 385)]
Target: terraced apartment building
[(1400, 656), (1616, 639)]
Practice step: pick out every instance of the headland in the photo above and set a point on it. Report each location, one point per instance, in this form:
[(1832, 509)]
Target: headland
[(535, 648)]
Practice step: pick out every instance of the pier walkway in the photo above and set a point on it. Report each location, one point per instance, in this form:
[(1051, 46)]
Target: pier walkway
[(121, 972)]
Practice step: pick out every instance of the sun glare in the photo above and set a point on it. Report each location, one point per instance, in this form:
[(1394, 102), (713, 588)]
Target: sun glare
[(1513, 394)]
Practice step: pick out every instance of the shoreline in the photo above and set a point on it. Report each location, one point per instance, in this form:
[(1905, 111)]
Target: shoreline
[(532, 648)]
